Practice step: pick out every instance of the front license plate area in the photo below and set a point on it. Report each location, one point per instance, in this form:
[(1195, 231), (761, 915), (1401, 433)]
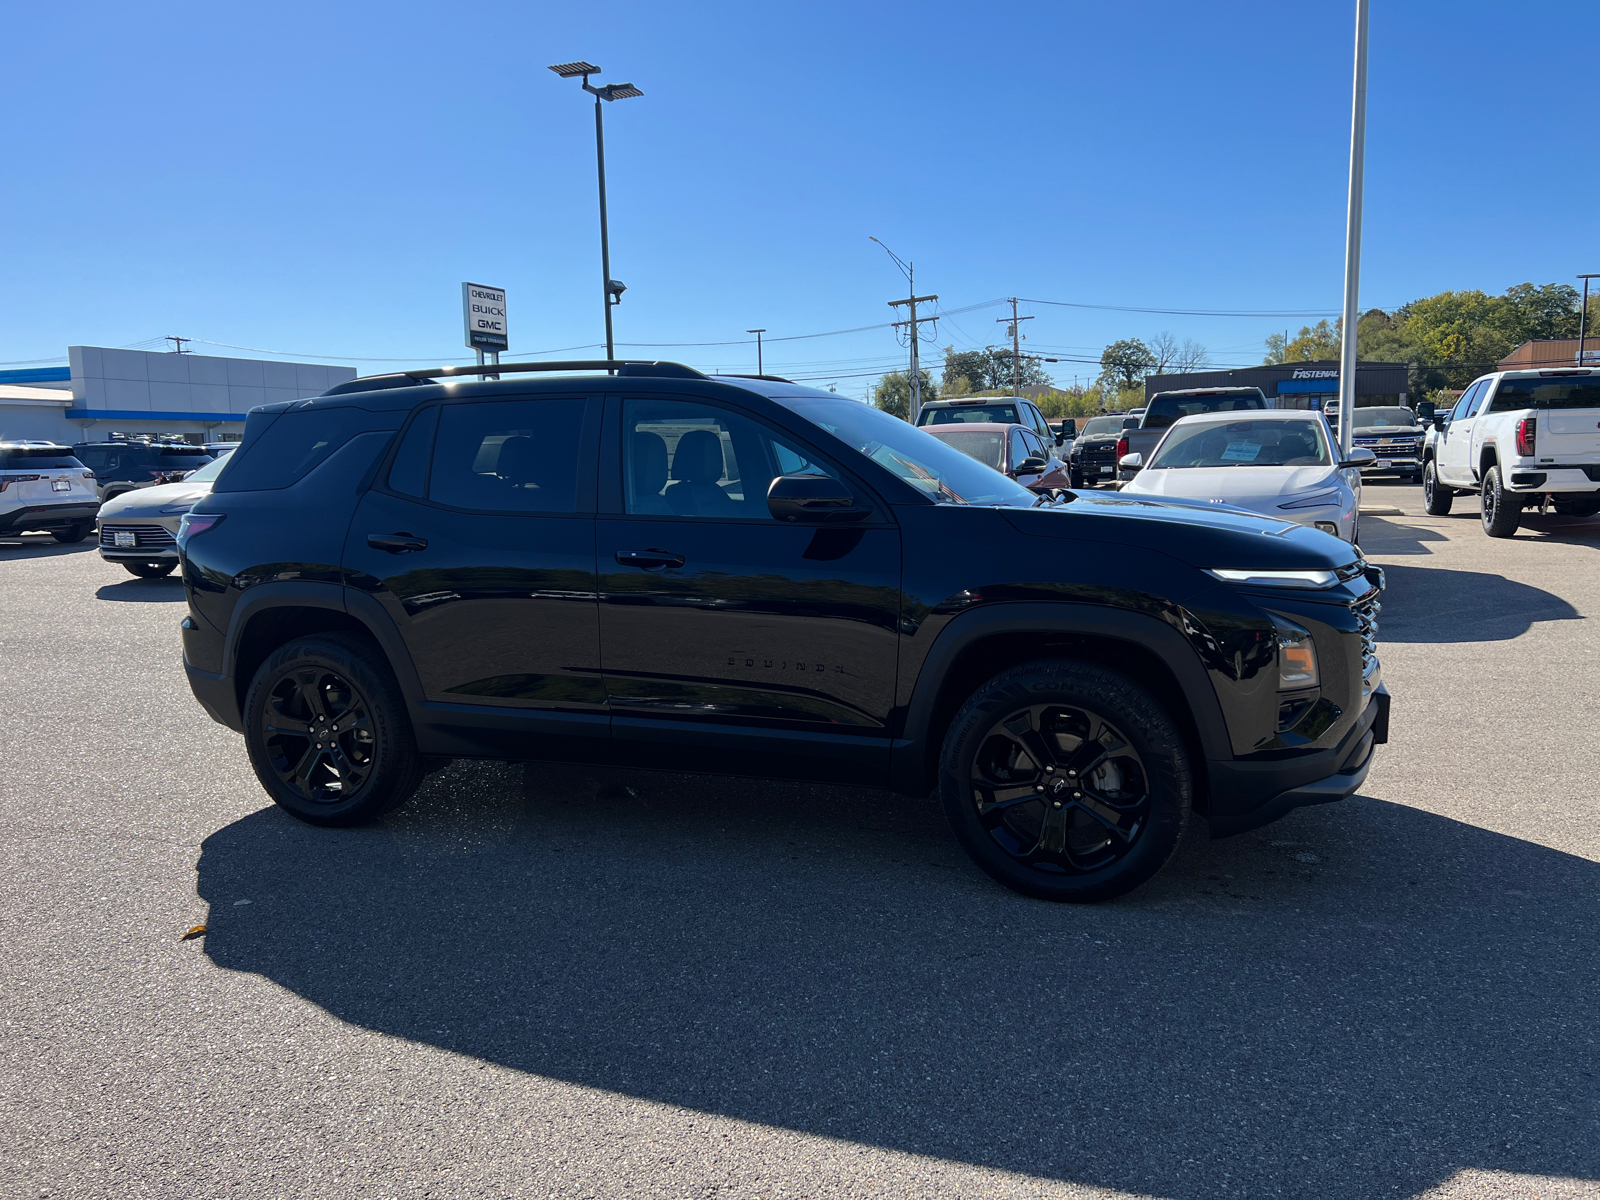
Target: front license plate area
[(125, 539), (1383, 464)]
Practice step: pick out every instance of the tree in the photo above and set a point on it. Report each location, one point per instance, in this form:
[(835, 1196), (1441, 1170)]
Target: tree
[(1124, 364), (988, 370), (893, 393), (1173, 356)]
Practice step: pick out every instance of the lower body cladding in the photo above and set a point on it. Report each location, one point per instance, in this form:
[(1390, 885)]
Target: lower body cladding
[(48, 518)]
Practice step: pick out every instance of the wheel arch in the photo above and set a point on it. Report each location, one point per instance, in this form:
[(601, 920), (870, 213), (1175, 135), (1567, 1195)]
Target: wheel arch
[(979, 645), (1488, 456)]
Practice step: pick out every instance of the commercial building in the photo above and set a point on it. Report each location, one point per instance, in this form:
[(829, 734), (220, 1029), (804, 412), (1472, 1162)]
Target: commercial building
[(1296, 384), (1555, 352), (135, 393)]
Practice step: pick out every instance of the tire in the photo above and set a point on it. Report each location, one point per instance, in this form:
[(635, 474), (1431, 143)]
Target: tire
[(71, 534), (994, 790), (1577, 506), (324, 680), (150, 570), (1436, 498), (1502, 510)]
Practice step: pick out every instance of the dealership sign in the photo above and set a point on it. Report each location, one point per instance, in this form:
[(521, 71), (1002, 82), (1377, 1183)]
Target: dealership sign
[(484, 311)]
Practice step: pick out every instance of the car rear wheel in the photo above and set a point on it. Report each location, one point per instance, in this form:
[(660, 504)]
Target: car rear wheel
[(1502, 510), (150, 570), (1436, 498), (1065, 781), (328, 734), (71, 534)]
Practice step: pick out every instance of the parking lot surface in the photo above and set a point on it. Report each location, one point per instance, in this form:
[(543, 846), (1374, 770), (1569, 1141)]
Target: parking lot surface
[(574, 982)]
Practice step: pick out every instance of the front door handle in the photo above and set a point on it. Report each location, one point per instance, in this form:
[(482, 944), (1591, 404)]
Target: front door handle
[(649, 558), (396, 543)]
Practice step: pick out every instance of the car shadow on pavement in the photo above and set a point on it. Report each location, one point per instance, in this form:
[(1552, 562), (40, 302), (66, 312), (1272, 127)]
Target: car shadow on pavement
[(1361, 1000), (1379, 536), (42, 546), (143, 591), (1425, 604)]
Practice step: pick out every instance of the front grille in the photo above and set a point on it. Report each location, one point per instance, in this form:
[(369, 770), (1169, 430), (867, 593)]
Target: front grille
[(1366, 612), (1103, 452), (148, 537)]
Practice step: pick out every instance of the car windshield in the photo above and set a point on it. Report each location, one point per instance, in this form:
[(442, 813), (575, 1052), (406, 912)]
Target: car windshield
[(940, 472), (1558, 392), (1244, 444), (43, 458), (987, 446), (1098, 426), (1164, 410), (1380, 418), (996, 414)]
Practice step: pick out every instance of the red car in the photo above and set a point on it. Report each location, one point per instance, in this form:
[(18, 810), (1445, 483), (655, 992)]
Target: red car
[(1013, 450)]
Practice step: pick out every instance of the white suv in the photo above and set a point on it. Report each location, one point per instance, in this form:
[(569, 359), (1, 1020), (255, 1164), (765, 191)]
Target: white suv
[(1518, 437), (44, 489)]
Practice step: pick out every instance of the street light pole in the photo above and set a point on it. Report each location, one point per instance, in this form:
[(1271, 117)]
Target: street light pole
[(1583, 315), (760, 366), (1352, 240), (610, 289)]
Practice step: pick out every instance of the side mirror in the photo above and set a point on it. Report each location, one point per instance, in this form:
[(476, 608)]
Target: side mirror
[(1440, 420), (814, 499), (1131, 462), (1031, 465), (1425, 411), (1069, 428), (1360, 458)]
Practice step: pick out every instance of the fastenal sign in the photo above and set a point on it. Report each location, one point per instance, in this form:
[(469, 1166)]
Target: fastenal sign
[(483, 309), (1308, 373)]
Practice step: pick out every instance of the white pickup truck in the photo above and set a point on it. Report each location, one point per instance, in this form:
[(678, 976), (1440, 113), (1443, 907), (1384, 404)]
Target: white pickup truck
[(1518, 438)]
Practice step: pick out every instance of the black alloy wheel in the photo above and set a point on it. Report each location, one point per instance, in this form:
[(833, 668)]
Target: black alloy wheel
[(158, 569), (1502, 510), (1066, 781), (1436, 498), (327, 732)]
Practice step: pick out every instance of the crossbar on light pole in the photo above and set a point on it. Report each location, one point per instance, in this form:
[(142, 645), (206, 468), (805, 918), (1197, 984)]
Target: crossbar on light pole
[(1352, 240)]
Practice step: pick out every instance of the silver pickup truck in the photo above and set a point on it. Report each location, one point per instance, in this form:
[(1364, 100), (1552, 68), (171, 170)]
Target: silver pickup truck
[(1164, 408)]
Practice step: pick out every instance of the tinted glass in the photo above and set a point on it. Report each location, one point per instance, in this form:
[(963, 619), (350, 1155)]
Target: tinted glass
[(288, 448), (1467, 397), (682, 459), (1033, 445), (43, 458), (209, 472), (409, 472), (1244, 444), (1478, 394), (997, 414), (986, 446), (1381, 418), (940, 472), (1572, 391), (1099, 426), (195, 452), (1162, 411), (508, 456)]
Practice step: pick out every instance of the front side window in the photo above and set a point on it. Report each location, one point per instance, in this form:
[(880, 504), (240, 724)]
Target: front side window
[(1244, 444), (1019, 448), (940, 472), (1467, 397), (508, 456), (1479, 393), (683, 459)]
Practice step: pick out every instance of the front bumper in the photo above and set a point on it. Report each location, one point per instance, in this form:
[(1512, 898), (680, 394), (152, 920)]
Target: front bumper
[(1245, 796), (49, 517)]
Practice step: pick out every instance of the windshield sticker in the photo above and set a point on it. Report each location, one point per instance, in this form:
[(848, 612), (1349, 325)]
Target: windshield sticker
[(1241, 452)]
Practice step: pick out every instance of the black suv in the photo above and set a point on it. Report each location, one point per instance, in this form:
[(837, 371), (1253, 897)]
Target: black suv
[(657, 568), (123, 466)]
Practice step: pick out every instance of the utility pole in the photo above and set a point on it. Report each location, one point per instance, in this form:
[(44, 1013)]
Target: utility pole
[(1583, 315), (760, 368), (1016, 346), (909, 271), (177, 342), (1352, 240)]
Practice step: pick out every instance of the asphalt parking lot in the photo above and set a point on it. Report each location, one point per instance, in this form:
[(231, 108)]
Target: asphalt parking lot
[(571, 982)]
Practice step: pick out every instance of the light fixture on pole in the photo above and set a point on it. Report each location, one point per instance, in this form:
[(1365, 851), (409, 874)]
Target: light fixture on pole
[(1583, 316), (612, 288), (1352, 240), (760, 368)]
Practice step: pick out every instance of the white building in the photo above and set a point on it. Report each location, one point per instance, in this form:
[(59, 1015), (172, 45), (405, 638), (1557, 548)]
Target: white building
[(104, 391)]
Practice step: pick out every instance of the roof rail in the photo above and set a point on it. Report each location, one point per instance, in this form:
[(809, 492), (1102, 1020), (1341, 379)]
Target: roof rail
[(612, 366), (768, 378)]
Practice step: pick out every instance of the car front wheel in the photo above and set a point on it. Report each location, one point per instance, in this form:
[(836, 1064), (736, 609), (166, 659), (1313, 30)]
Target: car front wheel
[(72, 534), (150, 570), (328, 734), (1065, 781), (1436, 498)]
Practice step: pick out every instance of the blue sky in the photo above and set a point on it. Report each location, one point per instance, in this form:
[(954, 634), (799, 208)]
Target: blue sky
[(319, 178)]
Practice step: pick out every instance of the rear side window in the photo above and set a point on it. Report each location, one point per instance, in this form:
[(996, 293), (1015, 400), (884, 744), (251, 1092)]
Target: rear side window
[(508, 456), (287, 449)]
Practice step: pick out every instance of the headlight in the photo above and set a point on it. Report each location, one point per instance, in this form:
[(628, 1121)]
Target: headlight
[(1285, 579), (1297, 656), (1318, 500)]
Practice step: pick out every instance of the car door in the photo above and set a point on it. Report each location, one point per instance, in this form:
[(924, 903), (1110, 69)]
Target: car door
[(479, 542), (731, 641), (1454, 447)]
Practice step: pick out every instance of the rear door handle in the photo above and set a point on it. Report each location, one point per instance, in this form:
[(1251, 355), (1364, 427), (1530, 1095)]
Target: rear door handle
[(649, 558), (396, 543)]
